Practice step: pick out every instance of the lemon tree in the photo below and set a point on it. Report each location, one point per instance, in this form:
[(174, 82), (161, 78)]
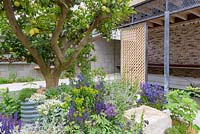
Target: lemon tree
[(54, 32)]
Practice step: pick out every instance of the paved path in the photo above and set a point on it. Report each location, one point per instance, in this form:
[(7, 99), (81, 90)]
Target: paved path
[(37, 84)]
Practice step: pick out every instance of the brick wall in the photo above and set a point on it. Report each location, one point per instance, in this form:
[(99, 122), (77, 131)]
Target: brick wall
[(184, 48), (184, 45)]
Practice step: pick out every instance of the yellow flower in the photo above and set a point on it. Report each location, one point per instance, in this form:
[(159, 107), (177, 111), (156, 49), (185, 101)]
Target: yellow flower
[(75, 91)]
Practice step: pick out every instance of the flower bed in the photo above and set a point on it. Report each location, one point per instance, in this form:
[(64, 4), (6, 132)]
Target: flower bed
[(98, 107)]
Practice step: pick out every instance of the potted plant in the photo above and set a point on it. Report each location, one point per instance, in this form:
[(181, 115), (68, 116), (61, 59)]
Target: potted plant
[(29, 111)]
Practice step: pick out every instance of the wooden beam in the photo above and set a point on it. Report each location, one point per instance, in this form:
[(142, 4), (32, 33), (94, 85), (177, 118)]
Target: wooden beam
[(157, 21), (150, 24), (172, 19), (195, 12), (182, 16)]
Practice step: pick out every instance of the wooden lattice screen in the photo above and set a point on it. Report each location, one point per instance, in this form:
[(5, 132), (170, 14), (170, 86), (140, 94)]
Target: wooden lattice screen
[(133, 53)]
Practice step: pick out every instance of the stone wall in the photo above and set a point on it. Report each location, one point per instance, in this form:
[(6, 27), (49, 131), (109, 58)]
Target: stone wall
[(21, 70), (184, 48), (108, 55)]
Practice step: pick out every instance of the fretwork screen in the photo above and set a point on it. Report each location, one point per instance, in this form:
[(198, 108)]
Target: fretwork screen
[(133, 53)]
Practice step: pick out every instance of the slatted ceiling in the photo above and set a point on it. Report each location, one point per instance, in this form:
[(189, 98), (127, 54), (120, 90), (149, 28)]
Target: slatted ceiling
[(150, 24), (133, 53), (195, 12), (182, 16), (158, 21), (176, 18)]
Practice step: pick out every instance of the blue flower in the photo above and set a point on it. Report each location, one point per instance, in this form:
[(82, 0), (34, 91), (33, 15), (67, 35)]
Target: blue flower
[(110, 110), (99, 106), (87, 84), (79, 119), (97, 87), (85, 115), (9, 122), (71, 112), (80, 77), (153, 92)]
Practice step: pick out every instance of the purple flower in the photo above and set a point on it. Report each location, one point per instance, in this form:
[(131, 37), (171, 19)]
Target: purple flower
[(99, 106), (87, 84), (153, 93), (71, 112), (9, 122), (80, 77), (110, 110), (97, 87), (85, 115), (79, 119)]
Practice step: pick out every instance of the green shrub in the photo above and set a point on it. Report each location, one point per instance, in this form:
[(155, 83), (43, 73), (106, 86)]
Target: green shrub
[(51, 93), (9, 105), (4, 80), (26, 93), (122, 94), (25, 79), (3, 90), (177, 129), (182, 107), (194, 91)]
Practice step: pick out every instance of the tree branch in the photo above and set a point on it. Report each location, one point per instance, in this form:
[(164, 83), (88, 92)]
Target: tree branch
[(56, 33), (84, 41), (21, 36)]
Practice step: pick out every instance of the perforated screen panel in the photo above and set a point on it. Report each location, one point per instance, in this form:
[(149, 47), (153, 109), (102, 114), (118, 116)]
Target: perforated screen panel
[(133, 53)]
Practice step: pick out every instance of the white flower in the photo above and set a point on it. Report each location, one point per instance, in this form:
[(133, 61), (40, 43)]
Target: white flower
[(49, 106), (36, 98)]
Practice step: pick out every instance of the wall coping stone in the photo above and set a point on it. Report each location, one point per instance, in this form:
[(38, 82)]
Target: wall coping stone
[(15, 63)]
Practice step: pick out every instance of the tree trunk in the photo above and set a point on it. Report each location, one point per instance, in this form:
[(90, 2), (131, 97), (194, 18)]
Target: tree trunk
[(52, 80)]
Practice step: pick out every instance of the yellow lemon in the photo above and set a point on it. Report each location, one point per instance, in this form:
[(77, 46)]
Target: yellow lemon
[(119, 1), (104, 1), (88, 26), (103, 8), (107, 10), (17, 3), (36, 30), (32, 32)]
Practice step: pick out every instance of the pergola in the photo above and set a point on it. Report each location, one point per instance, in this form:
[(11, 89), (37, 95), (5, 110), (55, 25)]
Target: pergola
[(134, 35)]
